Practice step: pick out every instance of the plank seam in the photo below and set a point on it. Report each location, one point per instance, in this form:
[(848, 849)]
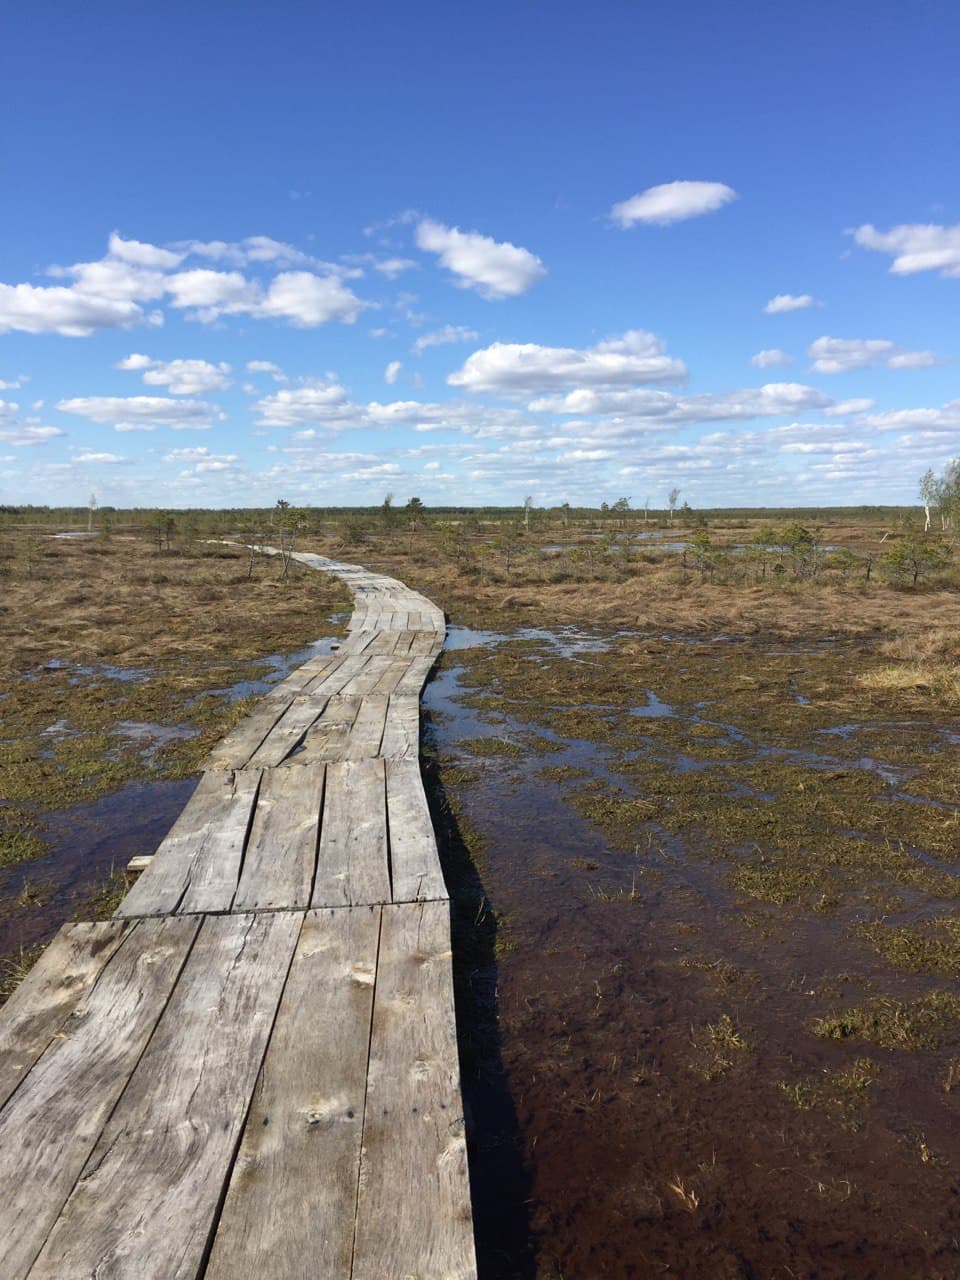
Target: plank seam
[(386, 824), (243, 847), (204, 1261), (316, 847), (106, 1121), (366, 1088)]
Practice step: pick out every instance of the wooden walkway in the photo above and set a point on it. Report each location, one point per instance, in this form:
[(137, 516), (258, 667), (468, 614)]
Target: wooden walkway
[(252, 1070)]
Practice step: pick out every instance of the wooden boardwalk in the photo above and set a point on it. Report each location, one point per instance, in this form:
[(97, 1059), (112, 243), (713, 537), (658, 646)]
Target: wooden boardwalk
[(252, 1070)]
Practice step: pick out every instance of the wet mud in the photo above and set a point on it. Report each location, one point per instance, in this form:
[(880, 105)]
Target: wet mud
[(718, 957)]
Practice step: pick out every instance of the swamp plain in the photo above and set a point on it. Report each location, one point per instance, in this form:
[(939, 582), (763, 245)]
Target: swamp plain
[(698, 795)]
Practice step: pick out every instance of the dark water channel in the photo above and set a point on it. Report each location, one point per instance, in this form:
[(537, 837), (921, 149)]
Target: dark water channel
[(648, 1098)]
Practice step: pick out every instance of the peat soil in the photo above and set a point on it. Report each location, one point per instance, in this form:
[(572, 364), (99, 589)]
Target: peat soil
[(719, 884)]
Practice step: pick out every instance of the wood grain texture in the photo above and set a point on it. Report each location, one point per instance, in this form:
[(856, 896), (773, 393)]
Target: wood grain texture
[(50, 992), (414, 859), (401, 734), (197, 864), (413, 1210), (234, 751), (290, 1206), (282, 850), (288, 732), (50, 1125), (145, 1204), (352, 860), (328, 736)]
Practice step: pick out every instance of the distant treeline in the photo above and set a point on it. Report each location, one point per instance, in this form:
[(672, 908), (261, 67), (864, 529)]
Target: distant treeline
[(225, 516)]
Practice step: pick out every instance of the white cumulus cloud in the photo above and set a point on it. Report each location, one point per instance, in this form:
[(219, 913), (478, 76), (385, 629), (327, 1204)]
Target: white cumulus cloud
[(441, 337), (915, 247), (496, 269), (391, 372), (789, 302), (111, 293), (31, 308), (633, 359), (143, 413), (843, 408), (180, 377), (840, 355), (20, 436), (267, 366), (660, 409), (324, 403), (672, 202), (771, 358), (198, 454)]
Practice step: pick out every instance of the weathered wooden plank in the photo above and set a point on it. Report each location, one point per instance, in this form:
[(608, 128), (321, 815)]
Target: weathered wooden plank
[(197, 865), (352, 863), (413, 1210), (282, 849), (416, 675), (290, 1206), (289, 731), (292, 684), (365, 681), (328, 736), (367, 731), (401, 734), (233, 751), (50, 992), (333, 683), (385, 642), (414, 861), (50, 1125), (427, 644), (392, 675), (146, 1201)]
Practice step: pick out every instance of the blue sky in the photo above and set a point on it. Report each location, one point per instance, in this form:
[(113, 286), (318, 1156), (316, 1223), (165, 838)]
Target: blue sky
[(473, 253)]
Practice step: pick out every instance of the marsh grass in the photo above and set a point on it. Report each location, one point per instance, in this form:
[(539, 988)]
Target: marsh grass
[(19, 843), (924, 665), (13, 969), (105, 897), (119, 633), (717, 1046), (844, 1093), (932, 947), (929, 1021)]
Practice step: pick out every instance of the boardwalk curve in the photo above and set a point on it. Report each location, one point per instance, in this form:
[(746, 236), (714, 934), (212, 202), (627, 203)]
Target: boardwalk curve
[(252, 1069)]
